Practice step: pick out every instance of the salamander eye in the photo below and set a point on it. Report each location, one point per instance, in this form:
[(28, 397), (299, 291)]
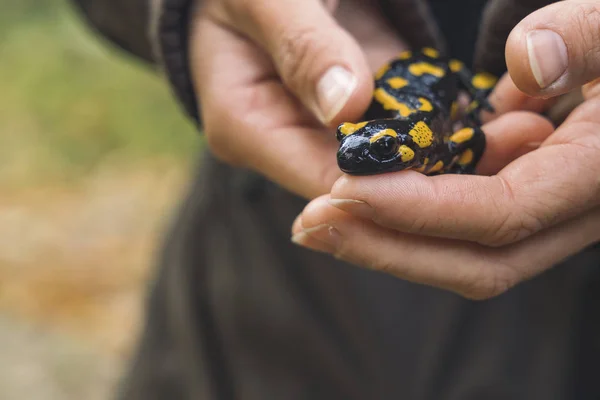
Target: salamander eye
[(339, 135), (385, 146)]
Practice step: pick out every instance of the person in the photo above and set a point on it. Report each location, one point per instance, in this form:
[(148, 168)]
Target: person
[(238, 311)]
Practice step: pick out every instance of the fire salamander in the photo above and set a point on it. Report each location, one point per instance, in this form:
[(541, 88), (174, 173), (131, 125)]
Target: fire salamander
[(410, 122)]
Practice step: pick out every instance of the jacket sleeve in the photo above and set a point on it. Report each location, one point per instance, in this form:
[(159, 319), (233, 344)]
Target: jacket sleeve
[(154, 30), (498, 20), (123, 22)]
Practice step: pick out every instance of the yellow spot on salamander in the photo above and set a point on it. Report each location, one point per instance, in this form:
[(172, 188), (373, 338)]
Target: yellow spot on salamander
[(425, 105), (405, 55), (455, 65), (397, 82), (382, 133), (406, 153), (382, 71), (429, 52), (349, 128), (484, 81), (421, 134), (437, 167), (389, 102), (466, 157), (422, 68), (462, 135)]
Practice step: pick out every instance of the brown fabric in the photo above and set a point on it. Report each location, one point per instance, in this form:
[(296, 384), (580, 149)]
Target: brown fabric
[(170, 21), (413, 21), (242, 313), (238, 312), (124, 22), (498, 20), (154, 30)]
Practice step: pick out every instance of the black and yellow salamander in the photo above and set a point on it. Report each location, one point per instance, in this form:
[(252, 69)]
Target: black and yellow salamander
[(409, 124)]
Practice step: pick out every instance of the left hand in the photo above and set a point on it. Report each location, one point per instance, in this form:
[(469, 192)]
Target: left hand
[(480, 235)]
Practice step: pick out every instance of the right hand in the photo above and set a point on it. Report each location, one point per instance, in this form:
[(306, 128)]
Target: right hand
[(272, 76)]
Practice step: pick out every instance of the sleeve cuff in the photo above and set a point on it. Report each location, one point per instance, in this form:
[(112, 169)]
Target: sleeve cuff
[(170, 29)]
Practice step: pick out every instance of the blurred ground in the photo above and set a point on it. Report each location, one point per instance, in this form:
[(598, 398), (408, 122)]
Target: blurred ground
[(38, 365), (94, 156)]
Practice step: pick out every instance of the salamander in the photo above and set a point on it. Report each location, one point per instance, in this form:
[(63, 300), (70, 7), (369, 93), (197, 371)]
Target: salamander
[(410, 122)]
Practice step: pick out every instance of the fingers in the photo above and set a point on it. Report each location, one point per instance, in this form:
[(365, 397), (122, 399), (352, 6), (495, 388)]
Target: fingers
[(554, 49), (441, 263), (472, 270), (506, 97), (509, 137), (317, 60), (251, 120), (536, 191)]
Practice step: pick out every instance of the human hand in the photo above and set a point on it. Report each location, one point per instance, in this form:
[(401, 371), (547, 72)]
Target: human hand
[(480, 235), (272, 75)]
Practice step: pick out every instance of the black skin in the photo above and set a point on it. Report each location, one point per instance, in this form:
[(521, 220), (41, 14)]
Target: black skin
[(357, 155)]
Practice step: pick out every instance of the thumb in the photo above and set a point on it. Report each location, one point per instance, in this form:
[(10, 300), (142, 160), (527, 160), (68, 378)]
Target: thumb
[(555, 49), (317, 59)]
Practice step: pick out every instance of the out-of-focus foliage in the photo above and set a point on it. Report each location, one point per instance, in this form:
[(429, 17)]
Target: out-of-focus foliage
[(66, 101), (94, 157)]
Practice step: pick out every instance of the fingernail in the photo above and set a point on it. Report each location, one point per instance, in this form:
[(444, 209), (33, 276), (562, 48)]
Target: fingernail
[(333, 91), (323, 238), (548, 56), (354, 207)]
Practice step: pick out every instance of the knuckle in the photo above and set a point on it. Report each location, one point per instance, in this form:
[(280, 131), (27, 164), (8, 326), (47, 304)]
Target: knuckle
[(217, 139), (217, 145), (492, 280), (222, 126), (485, 290)]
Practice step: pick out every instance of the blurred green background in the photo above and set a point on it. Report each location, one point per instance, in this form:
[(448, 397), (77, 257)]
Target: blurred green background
[(67, 100), (95, 155)]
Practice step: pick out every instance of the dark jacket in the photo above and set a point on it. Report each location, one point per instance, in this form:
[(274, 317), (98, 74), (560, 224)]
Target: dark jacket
[(238, 312)]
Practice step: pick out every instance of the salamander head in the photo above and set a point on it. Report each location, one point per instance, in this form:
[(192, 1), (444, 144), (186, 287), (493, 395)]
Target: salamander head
[(374, 147)]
